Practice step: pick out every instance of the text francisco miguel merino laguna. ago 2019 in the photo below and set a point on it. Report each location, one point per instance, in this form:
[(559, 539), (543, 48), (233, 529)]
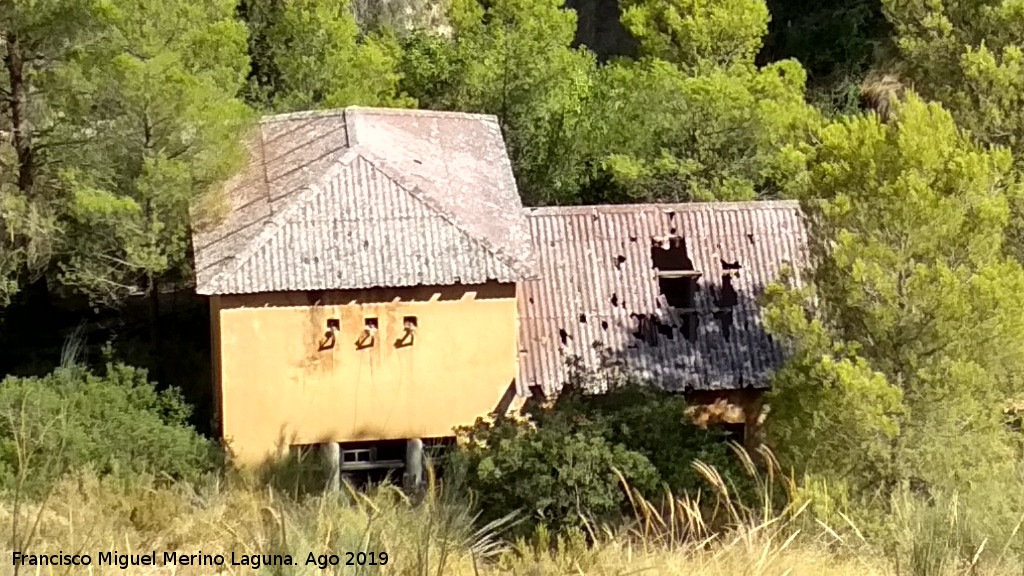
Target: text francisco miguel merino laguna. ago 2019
[(254, 561)]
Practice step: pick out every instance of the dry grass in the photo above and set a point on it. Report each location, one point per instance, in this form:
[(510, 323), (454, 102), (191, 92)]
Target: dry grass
[(881, 92), (437, 535), (433, 537)]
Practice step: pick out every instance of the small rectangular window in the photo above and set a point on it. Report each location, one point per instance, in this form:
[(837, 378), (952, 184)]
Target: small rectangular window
[(333, 324), (410, 322), (370, 323)]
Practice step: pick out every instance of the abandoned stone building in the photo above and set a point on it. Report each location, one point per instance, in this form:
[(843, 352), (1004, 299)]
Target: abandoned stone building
[(375, 282)]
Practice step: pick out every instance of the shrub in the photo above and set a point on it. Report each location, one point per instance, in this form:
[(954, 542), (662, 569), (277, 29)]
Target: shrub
[(653, 423), (116, 423), (559, 473), (563, 463)]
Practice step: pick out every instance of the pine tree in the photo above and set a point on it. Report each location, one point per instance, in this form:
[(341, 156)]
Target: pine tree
[(910, 337)]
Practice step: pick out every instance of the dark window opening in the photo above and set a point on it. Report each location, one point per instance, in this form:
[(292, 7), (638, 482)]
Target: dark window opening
[(408, 336), (679, 292), (383, 461), (330, 337), (677, 280), (369, 334)]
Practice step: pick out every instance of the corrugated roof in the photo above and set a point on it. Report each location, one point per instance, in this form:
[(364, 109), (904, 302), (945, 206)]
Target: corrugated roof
[(368, 197), (597, 297)]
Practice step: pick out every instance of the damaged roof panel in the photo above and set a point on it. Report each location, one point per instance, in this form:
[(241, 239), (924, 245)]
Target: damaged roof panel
[(598, 298)]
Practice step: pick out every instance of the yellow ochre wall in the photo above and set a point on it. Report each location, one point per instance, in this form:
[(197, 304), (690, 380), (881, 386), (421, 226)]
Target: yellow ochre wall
[(277, 388)]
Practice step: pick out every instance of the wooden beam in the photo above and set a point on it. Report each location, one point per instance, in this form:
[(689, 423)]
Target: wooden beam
[(679, 274)]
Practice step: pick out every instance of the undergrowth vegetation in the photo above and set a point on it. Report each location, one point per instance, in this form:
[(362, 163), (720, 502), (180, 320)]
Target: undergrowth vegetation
[(439, 531), (611, 483)]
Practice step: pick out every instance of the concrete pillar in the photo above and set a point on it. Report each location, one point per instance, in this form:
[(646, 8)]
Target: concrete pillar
[(413, 463), (332, 464)]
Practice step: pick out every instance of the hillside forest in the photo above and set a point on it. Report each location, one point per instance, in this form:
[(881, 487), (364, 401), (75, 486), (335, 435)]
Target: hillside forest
[(897, 125)]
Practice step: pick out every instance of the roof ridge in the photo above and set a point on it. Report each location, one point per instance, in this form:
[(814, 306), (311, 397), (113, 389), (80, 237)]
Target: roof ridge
[(302, 114), (292, 204), (391, 174), (424, 112), (675, 206), (382, 111)]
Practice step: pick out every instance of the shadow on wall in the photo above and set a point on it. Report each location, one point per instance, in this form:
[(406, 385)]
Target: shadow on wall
[(490, 291)]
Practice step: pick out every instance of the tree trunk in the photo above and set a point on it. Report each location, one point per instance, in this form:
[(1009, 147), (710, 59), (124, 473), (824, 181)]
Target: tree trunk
[(18, 102), (155, 343)]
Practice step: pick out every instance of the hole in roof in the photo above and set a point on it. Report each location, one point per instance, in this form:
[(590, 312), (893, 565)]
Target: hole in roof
[(671, 257), (650, 328), (604, 325), (677, 280), (563, 336), (731, 265), (583, 318), (665, 330), (619, 261), (691, 321), (417, 160), (615, 299), (750, 238), (728, 297), (679, 292)]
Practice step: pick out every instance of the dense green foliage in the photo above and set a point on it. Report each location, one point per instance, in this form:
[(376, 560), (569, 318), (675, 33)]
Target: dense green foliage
[(567, 464), (121, 116), (166, 127), (320, 59), (910, 337), (897, 125), (115, 423)]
